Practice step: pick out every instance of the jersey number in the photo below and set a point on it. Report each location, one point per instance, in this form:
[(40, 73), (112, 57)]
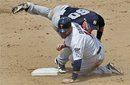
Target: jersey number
[(78, 13)]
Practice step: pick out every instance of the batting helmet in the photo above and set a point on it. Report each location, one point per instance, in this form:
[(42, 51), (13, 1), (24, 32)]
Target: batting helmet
[(64, 24)]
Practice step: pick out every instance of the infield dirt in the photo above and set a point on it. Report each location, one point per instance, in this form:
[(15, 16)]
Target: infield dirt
[(28, 42)]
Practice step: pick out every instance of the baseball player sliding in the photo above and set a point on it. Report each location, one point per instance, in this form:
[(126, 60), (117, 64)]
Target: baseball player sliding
[(89, 20), (87, 52)]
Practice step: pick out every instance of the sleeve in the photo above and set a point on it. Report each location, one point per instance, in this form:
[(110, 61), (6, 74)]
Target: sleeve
[(76, 67), (78, 52)]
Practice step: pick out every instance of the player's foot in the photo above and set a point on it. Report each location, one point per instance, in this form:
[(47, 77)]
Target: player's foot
[(61, 68), (20, 7), (114, 70)]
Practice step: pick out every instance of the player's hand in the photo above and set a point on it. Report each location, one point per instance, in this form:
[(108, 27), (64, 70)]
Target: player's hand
[(20, 7), (60, 47), (66, 81)]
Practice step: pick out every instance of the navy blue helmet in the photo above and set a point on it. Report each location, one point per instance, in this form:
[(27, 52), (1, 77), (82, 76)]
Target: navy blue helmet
[(64, 24)]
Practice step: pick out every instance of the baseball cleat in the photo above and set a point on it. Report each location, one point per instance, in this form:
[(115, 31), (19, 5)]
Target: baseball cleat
[(114, 70), (60, 67), (20, 7), (62, 70)]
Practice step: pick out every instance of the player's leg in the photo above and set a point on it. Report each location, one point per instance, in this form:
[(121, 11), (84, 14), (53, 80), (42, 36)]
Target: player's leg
[(108, 69), (38, 10), (62, 58), (91, 63), (32, 9)]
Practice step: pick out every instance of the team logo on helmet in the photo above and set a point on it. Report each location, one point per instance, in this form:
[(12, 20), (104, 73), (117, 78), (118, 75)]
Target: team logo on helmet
[(94, 22), (61, 26)]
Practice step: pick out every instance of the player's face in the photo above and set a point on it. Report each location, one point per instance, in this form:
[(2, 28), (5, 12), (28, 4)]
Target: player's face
[(65, 34)]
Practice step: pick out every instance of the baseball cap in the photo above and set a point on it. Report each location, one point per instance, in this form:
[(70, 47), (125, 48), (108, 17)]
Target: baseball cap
[(92, 20), (93, 25), (64, 24)]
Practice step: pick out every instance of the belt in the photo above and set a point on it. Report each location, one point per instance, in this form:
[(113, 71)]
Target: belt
[(99, 50)]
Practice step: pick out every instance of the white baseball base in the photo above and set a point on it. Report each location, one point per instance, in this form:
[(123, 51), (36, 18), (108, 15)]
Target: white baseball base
[(45, 72)]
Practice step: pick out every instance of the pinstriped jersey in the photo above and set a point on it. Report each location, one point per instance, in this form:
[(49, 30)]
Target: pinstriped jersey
[(83, 45)]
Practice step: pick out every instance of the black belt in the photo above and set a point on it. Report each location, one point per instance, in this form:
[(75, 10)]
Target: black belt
[(99, 50)]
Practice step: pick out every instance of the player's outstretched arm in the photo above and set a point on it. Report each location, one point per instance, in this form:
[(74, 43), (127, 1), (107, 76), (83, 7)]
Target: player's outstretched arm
[(20, 7)]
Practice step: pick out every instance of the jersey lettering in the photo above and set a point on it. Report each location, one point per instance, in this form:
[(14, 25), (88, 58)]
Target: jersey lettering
[(79, 29), (78, 13), (74, 15)]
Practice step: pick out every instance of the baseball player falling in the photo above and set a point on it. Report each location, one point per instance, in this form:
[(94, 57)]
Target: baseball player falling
[(78, 15)]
